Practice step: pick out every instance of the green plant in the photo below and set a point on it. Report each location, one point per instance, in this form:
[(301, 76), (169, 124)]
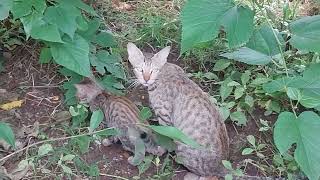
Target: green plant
[(255, 41)]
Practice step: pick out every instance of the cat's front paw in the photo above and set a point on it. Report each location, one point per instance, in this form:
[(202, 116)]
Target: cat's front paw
[(107, 141)]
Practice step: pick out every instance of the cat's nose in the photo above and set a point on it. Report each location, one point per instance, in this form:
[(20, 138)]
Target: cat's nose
[(146, 76)]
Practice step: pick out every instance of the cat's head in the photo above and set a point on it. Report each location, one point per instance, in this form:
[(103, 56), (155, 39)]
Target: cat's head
[(87, 90), (146, 69)]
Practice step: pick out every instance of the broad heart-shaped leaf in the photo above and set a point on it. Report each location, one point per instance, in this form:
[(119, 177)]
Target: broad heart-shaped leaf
[(24, 7), (264, 41), (238, 23), (304, 131), (277, 85), (310, 85), (306, 33), (248, 56), (64, 17), (6, 134), (37, 28), (73, 54), (201, 21), (90, 33), (47, 32), (112, 85), (105, 39), (5, 6), (96, 119), (79, 4), (175, 134)]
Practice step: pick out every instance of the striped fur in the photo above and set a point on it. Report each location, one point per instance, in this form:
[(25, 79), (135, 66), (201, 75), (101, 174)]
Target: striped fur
[(178, 101), (120, 113)]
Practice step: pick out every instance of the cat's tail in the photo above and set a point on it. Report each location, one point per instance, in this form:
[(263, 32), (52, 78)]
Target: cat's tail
[(192, 176)]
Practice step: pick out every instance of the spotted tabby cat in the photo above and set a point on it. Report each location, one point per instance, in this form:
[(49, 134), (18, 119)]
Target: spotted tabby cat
[(119, 113), (178, 101)]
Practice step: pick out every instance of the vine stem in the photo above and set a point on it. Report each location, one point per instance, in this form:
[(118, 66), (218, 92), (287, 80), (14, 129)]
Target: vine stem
[(281, 53), (49, 140)]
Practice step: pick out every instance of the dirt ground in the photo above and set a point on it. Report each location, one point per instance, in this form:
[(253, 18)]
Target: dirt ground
[(38, 86)]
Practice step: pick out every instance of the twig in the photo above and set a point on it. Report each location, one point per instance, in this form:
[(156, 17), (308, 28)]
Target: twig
[(48, 140), (113, 176)]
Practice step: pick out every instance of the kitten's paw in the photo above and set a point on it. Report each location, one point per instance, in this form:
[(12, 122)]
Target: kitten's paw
[(130, 161), (158, 151), (107, 142)]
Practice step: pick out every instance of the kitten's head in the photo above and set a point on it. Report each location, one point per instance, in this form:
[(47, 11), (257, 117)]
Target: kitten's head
[(146, 69), (87, 90)]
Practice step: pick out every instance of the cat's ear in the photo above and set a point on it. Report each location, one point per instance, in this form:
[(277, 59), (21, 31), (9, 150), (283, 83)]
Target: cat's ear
[(161, 57), (135, 56)]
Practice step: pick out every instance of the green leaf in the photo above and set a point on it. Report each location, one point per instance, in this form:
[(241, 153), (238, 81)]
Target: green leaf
[(66, 169), (227, 164), (264, 41), (83, 143), (238, 92), (306, 33), (68, 86), (79, 4), (210, 76), (45, 55), (201, 21), (165, 142), (45, 31), (277, 85), (293, 93), (309, 85), (238, 23), (245, 77), (112, 85), (225, 90), (259, 81), (6, 134), (44, 149), (82, 23), (304, 131), (147, 162), (105, 39), (247, 151), (225, 112), (175, 134), (79, 114), (228, 177), (248, 56), (221, 64), (73, 55), (145, 113), (24, 7), (30, 21), (108, 132), (68, 157), (239, 118), (5, 6), (96, 119), (252, 140), (249, 100), (93, 170), (64, 17), (90, 33), (111, 62)]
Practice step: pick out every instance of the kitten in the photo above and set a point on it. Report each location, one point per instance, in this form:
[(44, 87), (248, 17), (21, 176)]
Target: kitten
[(179, 102), (119, 113)]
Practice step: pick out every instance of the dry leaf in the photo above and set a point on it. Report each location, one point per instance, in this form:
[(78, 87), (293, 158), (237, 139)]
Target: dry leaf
[(11, 105)]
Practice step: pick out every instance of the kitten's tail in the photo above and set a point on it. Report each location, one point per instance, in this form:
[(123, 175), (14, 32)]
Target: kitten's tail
[(192, 176)]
